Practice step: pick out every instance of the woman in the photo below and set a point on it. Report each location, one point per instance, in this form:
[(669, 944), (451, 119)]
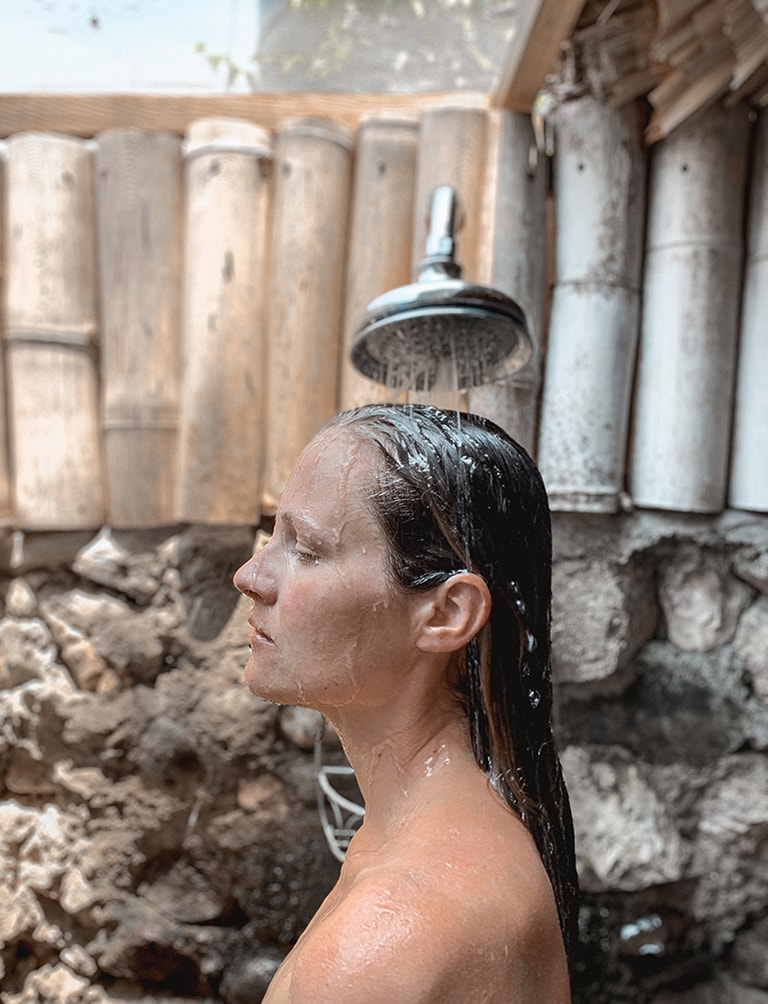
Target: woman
[(405, 594)]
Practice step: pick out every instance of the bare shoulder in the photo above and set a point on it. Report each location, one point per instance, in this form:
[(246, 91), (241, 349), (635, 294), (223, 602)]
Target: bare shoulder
[(436, 923)]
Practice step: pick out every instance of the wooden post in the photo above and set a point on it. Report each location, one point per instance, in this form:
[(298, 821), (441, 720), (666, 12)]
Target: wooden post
[(684, 390), (599, 205), (313, 168), (89, 114), (512, 258), (51, 334), (749, 457), (541, 29), (5, 483), (452, 151), (381, 233), (228, 168), (140, 221)]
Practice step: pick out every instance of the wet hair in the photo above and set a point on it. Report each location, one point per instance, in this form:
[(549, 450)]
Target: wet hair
[(456, 492)]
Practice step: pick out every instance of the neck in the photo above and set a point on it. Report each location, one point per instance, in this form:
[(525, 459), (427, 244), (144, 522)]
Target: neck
[(398, 766)]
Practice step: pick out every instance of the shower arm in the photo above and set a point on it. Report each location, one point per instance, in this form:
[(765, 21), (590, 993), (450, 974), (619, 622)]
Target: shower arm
[(445, 218)]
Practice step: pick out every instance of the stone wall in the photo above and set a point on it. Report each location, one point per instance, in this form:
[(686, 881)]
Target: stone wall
[(159, 837)]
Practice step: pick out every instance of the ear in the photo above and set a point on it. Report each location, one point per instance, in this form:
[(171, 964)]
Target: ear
[(456, 611)]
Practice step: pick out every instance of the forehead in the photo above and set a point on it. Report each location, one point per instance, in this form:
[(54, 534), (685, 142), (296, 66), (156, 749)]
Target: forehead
[(338, 468)]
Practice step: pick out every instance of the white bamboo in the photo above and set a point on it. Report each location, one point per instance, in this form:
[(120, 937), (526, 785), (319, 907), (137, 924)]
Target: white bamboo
[(139, 203), (749, 457), (228, 166), (599, 195), (51, 334), (684, 390), (381, 233), (313, 170), (512, 258)]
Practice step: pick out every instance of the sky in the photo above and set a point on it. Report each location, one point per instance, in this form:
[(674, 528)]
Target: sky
[(123, 45)]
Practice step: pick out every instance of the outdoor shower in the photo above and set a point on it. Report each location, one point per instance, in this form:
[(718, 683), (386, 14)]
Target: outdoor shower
[(440, 332)]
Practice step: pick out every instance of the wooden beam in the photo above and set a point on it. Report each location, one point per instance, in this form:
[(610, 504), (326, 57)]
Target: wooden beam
[(88, 114), (543, 26)]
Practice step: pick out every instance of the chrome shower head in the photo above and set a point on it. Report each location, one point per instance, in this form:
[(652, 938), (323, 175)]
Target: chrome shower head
[(441, 332)]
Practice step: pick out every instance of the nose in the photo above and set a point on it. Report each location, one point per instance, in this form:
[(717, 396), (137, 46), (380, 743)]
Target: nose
[(256, 579)]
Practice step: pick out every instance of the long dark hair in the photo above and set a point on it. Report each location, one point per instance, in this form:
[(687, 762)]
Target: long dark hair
[(456, 492)]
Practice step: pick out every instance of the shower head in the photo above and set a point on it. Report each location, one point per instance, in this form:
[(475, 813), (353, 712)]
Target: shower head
[(441, 332)]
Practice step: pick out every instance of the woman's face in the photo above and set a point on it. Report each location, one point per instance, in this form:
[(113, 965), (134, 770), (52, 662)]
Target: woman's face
[(328, 626)]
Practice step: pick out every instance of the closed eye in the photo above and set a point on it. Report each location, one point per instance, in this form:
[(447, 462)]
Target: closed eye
[(308, 557), (299, 540)]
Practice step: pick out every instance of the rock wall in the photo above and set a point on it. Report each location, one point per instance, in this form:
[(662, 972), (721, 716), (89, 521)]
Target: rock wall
[(159, 838)]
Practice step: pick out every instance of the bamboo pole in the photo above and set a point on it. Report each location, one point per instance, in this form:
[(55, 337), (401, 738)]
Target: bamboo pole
[(313, 168), (512, 258), (452, 151), (228, 167), (380, 233), (599, 193), (684, 389), (139, 200), (51, 334), (749, 456), (5, 483)]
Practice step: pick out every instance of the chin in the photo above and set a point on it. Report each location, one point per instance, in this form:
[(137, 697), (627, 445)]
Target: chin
[(275, 691)]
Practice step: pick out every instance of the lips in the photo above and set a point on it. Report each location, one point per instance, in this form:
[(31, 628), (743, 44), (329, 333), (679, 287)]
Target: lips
[(258, 635)]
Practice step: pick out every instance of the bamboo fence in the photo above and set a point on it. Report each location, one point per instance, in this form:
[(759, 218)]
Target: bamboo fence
[(177, 308)]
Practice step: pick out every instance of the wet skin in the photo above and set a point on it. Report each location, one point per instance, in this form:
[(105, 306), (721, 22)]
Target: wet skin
[(442, 897)]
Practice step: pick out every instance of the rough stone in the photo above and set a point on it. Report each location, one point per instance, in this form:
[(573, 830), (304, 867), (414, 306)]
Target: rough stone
[(751, 645), (105, 563), (146, 942), (130, 643), (300, 725), (750, 955), (208, 558), (601, 615), (28, 651), (247, 979), (723, 990), (265, 793), (28, 724), (35, 851), (20, 600), (688, 707), (187, 890), (702, 604), (55, 985), (88, 669), (159, 835), (729, 845), (624, 836), (753, 568), (243, 723)]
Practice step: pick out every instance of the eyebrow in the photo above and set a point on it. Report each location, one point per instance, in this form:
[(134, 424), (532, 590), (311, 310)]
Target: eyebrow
[(299, 524)]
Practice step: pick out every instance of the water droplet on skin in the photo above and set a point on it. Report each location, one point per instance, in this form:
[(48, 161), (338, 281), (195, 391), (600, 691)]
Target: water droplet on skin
[(535, 698), (530, 643)]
